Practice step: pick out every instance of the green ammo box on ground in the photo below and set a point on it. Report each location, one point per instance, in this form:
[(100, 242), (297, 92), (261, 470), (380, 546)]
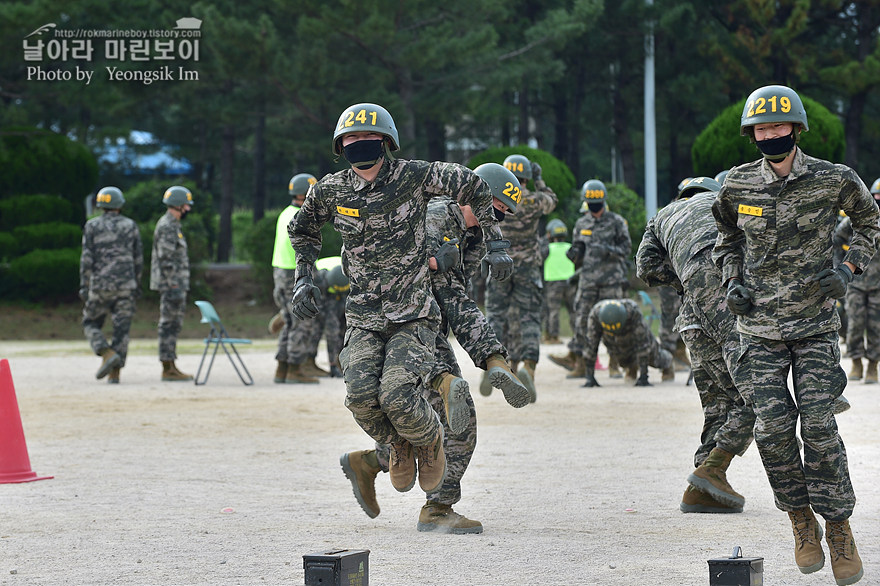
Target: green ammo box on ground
[(338, 567)]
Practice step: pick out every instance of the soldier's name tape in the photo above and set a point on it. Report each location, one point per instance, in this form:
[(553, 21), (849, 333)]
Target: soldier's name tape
[(352, 212), (750, 210)]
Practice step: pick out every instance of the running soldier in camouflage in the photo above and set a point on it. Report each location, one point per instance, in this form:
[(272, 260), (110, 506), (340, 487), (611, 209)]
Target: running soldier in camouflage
[(169, 275), (620, 325), (775, 220), (110, 269), (862, 304), (334, 313), (600, 247), (379, 207), (520, 298), (675, 253)]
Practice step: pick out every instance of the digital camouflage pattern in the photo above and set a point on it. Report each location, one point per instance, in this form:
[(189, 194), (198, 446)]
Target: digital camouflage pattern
[(775, 234), (333, 309), (862, 300), (678, 240), (172, 309), (297, 338), (382, 225), (521, 227), (110, 269), (169, 266), (778, 253), (557, 294), (632, 345), (670, 306)]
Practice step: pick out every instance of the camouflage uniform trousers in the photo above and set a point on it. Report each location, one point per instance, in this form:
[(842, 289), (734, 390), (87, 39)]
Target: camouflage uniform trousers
[(670, 305), (172, 309), (626, 358), (822, 479), (121, 307), (521, 294), (587, 297), (863, 325), (334, 326), (384, 372), (727, 419), (557, 294), (298, 339)]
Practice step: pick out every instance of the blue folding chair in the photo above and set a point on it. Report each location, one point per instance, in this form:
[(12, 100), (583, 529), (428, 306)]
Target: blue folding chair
[(219, 337)]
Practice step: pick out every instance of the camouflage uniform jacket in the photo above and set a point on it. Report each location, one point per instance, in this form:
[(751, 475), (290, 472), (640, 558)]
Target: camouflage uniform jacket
[(446, 222), (869, 280), (112, 254), (169, 266), (521, 228), (609, 229), (633, 339), (775, 235), (673, 238), (382, 224)]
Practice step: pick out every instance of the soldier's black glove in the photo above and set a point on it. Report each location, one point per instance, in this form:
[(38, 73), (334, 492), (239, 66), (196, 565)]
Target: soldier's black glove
[(498, 260), (536, 172), (447, 256), (642, 381), (575, 253), (739, 300), (175, 294), (833, 282), (83, 293), (591, 379), (306, 295)]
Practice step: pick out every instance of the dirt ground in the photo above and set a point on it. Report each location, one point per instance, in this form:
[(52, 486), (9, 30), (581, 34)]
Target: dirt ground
[(172, 483)]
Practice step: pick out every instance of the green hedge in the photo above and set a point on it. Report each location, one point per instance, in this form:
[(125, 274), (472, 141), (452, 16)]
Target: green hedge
[(21, 210), (8, 246), (42, 274), (50, 236)]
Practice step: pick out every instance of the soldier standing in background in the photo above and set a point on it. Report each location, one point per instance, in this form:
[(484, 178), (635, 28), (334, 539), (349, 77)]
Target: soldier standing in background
[(169, 275), (558, 290), (296, 337), (862, 304), (379, 207), (600, 247), (776, 217), (333, 309), (110, 269), (522, 295)]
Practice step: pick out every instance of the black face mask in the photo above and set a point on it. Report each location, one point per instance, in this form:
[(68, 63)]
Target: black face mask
[(776, 149), (596, 206), (499, 215), (363, 154)]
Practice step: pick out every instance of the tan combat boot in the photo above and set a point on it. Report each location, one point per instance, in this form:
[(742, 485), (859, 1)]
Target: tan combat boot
[(668, 374), (566, 361), (402, 466), (808, 554), (500, 376), (855, 372), (845, 561), (553, 340), (579, 370), (361, 469), (632, 373), (311, 369), (281, 372), (113, 377), (697, 501), (454, 391), (681, 360), (613, 367), (526, 375), (711, 478), (871, 372), (514, 367), (441, 518), (432, 464), (170, 373), (111, 361), (276, 323), (296, 375)]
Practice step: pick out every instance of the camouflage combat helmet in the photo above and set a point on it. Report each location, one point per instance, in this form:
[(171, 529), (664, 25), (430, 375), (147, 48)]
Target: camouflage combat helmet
[(698, 184), (177, 196), (722, 176), (519, 165), (337, 280), (299, 184), (502, 182), (365, 118), (612, 314), (556, 227), (772, 103), (682, 183), (593, 190), (110, 198), (875, 187)]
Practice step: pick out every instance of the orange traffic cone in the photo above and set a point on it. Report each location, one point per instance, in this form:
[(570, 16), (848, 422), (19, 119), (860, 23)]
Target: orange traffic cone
[(15, 466)]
